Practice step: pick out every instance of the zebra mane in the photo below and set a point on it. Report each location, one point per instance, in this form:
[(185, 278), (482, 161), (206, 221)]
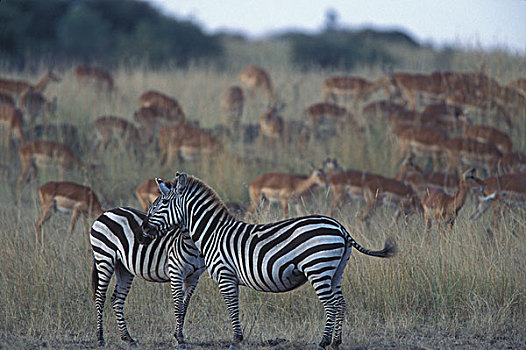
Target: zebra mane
[(194, 182)]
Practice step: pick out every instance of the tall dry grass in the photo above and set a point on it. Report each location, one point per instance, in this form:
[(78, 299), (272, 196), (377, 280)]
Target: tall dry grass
[(473, 280)]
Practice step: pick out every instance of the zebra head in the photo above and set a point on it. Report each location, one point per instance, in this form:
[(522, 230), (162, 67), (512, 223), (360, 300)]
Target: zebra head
[(160, 217)]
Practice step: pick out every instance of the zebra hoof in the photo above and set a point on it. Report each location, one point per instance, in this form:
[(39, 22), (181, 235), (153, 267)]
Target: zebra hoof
[(101, 342), (182, 346)]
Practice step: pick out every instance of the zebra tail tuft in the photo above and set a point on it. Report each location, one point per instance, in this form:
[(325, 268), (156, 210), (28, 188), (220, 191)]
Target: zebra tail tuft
[(94, 279), (390, 248), (388, 252)]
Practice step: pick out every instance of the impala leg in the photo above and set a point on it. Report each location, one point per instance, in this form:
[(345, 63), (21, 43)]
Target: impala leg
[(45, 214), (74, 218), (285, 207)]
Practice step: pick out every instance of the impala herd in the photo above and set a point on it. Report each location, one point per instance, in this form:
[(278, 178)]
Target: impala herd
[(427, 117)]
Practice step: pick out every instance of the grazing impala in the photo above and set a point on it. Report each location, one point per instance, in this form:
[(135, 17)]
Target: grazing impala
[(152, 118), (17, 87), (158, 99), (488, 134), (422, 142), (514, 162), (232, 101), (443, 207), (382, 190), (146, 193), (472, 153), (186, 142), (43, 153), (348, 87), (508, 189), (107, 128), (67, 197), (33, 103), (100, 78), (332, 113), (255, 79), (12, 117), (284, 188)]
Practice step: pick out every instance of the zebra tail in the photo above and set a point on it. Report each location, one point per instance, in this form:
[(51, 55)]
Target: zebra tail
[(388, 252), (94, 279)]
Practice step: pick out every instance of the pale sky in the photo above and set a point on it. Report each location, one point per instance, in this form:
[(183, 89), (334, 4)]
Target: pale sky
[(486, 23)]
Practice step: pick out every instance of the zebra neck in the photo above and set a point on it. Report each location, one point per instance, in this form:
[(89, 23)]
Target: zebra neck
[(203, 222)]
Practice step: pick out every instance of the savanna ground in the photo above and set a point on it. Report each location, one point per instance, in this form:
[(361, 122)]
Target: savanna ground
[(464, 291)]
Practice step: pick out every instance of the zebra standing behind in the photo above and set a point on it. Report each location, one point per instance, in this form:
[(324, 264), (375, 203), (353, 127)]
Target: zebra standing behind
[(274, 257), (172, 258)]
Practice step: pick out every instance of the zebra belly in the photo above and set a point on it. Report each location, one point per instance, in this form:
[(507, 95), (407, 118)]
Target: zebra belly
[(291, 279)]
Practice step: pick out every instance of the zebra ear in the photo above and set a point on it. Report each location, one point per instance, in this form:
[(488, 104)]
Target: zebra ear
[(162, 186), (181, 183)]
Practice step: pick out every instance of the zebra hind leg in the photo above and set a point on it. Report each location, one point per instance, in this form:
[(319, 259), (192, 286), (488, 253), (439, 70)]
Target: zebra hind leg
[(230, 291), (122, 288), (337, 340), (101, 279)]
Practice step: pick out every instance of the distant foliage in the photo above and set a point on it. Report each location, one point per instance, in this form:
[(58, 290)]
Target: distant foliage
[(344, 48), (99, 30)]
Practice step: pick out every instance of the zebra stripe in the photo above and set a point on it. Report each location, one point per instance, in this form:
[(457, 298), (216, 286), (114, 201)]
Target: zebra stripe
[(172, 258), (275, 257)]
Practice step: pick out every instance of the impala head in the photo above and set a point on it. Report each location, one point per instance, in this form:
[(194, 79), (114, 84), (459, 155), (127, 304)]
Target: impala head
[(318, 176), (330, 165), (469, 177)]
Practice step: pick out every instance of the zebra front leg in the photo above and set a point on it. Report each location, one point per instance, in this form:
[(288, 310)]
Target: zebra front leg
[(176, 284), (122, 288), (229, 289)]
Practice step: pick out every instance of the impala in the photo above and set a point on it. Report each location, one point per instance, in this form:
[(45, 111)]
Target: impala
[(488, 134), (472, 153), (382, 109), (420, 181), (443, 207), (7, 99), (67, 197), (383, 190), (347, 87), (255, 79), (97, 76), (232, 101), (33, 103), (152, 118), (43, 153), (271, 124), (422, 142), (107, 128), (186, 142), (447, 116), (158, 99), (146, 193), (348, 182), (519, 84), (413, 86), (17, 87), (332, 113), (514, 162), (284, 188), (12, 117), (509, 189)]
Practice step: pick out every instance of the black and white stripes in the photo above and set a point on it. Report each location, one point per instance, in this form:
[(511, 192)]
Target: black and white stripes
[(172, 258), (275, 257)]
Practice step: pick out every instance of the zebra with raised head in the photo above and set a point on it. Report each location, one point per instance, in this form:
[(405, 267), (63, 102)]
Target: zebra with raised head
[(171, 258), (274, 257)]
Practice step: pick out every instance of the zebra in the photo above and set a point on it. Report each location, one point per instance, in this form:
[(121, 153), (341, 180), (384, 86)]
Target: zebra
[(273, 257), (172, 258)]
